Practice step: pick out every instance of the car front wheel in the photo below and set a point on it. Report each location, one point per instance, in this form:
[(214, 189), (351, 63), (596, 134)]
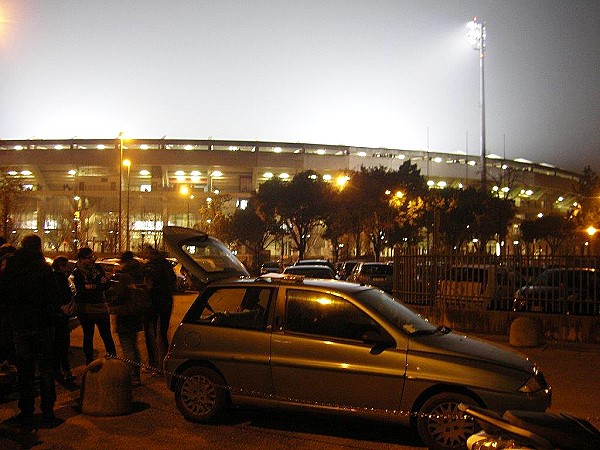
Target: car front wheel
[(441, 425), (200, 394)]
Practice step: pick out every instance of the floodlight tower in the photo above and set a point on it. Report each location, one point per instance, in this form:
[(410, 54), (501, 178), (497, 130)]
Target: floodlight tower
[(476, 38)]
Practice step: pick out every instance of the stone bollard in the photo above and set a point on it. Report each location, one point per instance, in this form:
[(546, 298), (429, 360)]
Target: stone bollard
[(106, 388), (526, 332)]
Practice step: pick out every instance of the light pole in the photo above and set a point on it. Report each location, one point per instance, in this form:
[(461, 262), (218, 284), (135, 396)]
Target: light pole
[(127, 163), (120, 218), (184, 190), (476, 37)]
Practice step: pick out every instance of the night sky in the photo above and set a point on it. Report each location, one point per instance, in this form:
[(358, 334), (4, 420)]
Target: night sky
[(397, 74)]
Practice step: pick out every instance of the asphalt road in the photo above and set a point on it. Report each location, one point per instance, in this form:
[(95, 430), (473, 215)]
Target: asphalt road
[(572, 370)]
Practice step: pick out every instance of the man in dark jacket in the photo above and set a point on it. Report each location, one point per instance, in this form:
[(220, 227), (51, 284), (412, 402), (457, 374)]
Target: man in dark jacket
[(32, 304), (160, 281)]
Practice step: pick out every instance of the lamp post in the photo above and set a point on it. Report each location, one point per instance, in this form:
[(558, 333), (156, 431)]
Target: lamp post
[(476, 37), (184, 190), (127, 163), (120, 218)]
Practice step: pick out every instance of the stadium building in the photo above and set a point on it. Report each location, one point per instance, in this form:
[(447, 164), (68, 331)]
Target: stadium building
[(95, 187)]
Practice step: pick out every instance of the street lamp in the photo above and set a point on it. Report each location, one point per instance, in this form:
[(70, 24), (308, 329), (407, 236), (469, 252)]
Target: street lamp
[(120, 218), (127, 163), (476, 38), (184, 190)]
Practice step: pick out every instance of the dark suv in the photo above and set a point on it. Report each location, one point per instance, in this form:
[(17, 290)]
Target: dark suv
[(561, 291), (328, 346)]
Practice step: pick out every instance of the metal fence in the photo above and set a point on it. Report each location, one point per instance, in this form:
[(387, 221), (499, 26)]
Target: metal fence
[(556, 285)]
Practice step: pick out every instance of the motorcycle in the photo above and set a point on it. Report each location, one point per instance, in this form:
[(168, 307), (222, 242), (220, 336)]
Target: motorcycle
[(525, 430)]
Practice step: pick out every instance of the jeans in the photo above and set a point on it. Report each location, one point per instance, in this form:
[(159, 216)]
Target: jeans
[(156, 328), (35, 347), (131, 352), (103, 324)]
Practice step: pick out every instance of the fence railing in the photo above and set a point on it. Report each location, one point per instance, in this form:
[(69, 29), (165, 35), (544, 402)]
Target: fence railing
[(562, 285)]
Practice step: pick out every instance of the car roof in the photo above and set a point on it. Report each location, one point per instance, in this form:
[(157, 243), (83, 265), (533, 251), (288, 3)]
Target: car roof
[(278, 279)]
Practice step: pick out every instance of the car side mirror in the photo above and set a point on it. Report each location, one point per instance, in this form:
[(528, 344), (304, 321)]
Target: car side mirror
[(380, 340)]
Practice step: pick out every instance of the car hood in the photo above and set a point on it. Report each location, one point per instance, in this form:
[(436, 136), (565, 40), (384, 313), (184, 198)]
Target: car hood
[(456, 345), (206, 258)]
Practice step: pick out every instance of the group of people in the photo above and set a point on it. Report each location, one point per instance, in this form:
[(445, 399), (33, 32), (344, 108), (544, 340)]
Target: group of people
[(37, 300)]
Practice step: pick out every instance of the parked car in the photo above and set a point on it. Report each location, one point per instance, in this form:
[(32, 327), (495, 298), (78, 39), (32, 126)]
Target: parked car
[(376, 274), (330, 346), (344, 268), (315, 262), (562, 291), (311, 271), (478, 286)]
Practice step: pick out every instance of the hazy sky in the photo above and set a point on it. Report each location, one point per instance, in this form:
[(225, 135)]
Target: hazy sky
[(395, 73)]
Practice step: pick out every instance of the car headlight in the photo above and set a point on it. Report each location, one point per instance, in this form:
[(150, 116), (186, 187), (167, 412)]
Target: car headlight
[(535, 383)]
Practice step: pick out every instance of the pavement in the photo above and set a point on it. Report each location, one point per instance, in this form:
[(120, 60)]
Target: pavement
[(572, 369)]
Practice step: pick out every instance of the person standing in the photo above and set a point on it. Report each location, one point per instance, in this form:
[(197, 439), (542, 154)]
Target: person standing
[(32, 303), (66, 290), (160, 280), (90, 285), (128, 302)]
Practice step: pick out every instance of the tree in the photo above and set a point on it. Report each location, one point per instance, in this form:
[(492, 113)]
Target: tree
[(245, 227), (297, 206), (212, 215), (9, 191), (383, 199), (553, 229)]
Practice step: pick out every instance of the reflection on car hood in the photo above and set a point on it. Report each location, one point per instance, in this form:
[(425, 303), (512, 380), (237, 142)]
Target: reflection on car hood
[(461, 346)]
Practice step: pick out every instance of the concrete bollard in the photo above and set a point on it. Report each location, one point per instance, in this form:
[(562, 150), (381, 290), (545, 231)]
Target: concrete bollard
[(525, 332), (106, 388)]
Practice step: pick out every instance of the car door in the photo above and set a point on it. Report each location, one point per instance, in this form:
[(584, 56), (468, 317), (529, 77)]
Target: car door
[(206, 259), (318, 356)]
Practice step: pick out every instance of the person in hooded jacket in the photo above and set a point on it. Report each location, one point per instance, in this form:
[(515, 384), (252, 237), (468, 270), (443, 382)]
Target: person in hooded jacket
[(32, 305)]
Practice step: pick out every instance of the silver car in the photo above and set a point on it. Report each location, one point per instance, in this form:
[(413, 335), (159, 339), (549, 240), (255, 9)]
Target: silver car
[(327, 346)]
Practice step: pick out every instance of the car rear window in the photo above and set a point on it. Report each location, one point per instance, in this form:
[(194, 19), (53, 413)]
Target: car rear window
[(378, 269)]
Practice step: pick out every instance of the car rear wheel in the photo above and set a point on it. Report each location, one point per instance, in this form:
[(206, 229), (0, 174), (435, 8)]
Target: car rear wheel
[(441, 425), (200, 394)]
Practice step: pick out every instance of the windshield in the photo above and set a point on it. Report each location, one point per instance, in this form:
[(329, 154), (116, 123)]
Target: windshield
[(396, 313), (212, 256)]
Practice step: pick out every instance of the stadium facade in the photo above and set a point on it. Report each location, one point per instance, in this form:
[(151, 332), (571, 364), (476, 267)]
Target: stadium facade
[(81, 185)]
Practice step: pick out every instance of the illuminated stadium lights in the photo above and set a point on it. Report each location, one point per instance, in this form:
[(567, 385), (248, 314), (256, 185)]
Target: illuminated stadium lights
[(179, 173), (362, 154), (430, 183), (233, 148), (313, 176), (144, 147), (472, 163), (540, 215), (400, 156), (188, 147), (144, 172), (320, 151), (560, 199), (26, 173), (18, 147), (195, 173), (442, 184), (327, 177), (72, 172), (476, 38), (12, 173), (100, 147), (216, 173), (437, 159), (268, 175), (505, 189), (277, 149), (58, 147), (284, 176)]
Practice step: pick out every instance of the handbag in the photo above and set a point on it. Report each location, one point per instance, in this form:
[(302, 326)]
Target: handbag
[(70, 309)]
